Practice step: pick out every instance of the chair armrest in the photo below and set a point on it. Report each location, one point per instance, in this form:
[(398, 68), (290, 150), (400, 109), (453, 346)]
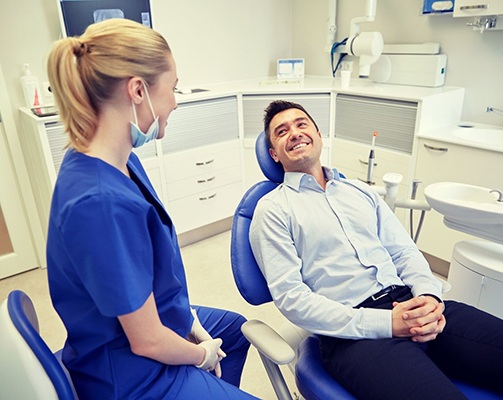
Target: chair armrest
[(268, 342)]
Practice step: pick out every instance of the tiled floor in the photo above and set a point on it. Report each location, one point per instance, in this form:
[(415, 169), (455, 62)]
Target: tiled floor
[(210, 281)]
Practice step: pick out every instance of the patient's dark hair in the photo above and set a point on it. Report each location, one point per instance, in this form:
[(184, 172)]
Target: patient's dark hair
[(276, 107)]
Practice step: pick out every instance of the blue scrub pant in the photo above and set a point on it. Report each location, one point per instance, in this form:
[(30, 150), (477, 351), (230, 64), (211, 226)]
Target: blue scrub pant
[(470, 349), (199, 384)]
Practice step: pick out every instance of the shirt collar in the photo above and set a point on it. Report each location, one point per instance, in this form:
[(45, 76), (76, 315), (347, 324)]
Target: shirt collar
[(294, 179)]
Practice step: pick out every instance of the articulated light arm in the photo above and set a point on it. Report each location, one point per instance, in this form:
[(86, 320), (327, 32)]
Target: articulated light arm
[(367, 46)]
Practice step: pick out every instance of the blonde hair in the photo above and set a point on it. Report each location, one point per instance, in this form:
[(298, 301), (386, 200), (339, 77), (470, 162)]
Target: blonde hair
[(84, 71)]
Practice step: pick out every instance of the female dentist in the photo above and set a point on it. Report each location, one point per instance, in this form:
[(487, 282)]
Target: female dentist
[(115, 271)]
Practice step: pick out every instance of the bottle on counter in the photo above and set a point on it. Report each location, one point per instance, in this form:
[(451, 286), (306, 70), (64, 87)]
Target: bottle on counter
[(31, 88)]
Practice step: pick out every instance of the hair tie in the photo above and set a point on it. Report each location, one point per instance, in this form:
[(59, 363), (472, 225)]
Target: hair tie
[(81, 49)]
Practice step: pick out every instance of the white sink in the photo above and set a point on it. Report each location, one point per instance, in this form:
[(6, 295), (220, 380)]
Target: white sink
[(489, 136), (468, 208)]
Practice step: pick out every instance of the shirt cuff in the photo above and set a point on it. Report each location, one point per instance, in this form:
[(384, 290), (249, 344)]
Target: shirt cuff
[(432, 295), (378, 323)]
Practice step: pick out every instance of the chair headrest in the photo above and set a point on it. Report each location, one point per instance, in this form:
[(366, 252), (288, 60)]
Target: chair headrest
[(271, 169)]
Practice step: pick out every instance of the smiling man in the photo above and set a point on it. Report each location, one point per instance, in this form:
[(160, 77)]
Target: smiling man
[(339, 263)]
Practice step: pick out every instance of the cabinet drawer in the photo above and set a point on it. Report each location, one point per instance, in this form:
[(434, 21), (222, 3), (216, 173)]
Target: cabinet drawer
[(201, 123), (354, 157), (205, 208), (203, 182), (202, 161)]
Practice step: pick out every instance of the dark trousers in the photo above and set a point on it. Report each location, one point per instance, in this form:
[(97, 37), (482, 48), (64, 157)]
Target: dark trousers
[(470, 349)]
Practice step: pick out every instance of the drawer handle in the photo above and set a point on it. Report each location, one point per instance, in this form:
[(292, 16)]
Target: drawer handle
[(444, 149), (206, 180), (208, 197), (474, 7), (366, 162), (205, 162)]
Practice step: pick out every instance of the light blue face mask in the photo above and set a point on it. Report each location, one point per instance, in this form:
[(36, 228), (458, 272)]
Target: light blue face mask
[(138, 138)]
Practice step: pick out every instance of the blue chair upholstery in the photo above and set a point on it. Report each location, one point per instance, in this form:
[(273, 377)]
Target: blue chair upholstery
[(313, 382), (28, 367)]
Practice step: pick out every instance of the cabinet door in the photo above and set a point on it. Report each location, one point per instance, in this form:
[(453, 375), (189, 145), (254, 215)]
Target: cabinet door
[(491, 297), (445, 162), (358, 117), (201, 123)]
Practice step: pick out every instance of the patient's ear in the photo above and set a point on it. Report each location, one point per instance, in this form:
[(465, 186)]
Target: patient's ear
[(273, 154)]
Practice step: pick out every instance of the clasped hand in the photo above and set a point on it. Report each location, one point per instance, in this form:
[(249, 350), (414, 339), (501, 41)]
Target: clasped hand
[(213, 353), (420, 318)]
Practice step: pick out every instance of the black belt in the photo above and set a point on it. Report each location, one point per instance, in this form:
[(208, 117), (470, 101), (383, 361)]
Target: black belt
[(384, 292), (394, 291)]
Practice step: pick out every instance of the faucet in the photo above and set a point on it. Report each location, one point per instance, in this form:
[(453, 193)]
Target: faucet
[(500, 194), (495, 110)]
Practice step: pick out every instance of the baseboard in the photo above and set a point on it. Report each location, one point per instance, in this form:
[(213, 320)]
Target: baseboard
[(204, 232)]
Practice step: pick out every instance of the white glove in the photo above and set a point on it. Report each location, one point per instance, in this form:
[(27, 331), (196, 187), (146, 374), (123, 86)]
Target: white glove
[(198, 335), (211, 359)]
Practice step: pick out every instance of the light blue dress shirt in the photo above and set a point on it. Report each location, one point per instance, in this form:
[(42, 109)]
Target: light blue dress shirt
[(323, 252)]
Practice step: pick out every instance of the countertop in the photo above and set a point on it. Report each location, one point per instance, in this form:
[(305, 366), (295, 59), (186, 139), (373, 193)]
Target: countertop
[(472, 135), (312, 84)]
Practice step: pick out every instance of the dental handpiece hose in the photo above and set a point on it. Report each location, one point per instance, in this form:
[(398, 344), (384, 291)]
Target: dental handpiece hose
[(370, 168)]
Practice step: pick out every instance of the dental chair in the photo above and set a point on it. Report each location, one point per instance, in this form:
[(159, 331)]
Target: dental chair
[(294, 347), (28, 368)]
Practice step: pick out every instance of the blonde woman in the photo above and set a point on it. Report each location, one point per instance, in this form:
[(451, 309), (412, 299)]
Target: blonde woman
[(115, 271)]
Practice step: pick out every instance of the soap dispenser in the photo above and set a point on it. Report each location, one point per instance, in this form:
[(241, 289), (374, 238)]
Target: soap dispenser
[(31, 88)]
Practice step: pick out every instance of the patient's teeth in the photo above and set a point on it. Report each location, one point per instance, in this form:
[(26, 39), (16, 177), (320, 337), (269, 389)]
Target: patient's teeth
[(299, 146)]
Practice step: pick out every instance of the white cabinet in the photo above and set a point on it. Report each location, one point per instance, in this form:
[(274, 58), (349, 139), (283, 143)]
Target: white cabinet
[(318, 105), (204, 185), (201, 158), (357, 117), (446, 162), (43, 141), (195, 169), (351, 159)]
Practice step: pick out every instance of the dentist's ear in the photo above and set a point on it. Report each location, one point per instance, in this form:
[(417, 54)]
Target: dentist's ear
[(135, 89)]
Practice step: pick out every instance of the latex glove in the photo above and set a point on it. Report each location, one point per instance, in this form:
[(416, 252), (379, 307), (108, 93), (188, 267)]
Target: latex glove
[(198, 335), (211, 361)]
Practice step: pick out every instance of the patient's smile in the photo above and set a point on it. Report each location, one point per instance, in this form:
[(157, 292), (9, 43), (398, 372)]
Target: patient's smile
[(298, 146)]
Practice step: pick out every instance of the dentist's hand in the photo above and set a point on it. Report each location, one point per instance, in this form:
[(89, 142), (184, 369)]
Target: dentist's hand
[(211, 361), (198, 335)]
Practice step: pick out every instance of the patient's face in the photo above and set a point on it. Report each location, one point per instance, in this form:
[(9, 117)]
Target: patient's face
[(296, 142)]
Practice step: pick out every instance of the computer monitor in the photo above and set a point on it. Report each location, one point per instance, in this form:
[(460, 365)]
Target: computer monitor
[(77, 15)]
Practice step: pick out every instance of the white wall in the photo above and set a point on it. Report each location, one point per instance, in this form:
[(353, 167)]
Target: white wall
[(225, 40), (218, 40), (475, 61)]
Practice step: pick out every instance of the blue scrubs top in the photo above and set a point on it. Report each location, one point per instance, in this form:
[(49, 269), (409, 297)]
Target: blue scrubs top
[(111, 244)]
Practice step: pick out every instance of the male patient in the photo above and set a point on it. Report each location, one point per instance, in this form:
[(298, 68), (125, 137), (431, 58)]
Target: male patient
[(338, 263)]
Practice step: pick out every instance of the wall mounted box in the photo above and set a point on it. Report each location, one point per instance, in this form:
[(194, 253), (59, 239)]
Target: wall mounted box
[(475, 8), (410, 69)]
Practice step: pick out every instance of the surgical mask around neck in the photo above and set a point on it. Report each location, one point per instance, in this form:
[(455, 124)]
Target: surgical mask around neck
[(139, 138)]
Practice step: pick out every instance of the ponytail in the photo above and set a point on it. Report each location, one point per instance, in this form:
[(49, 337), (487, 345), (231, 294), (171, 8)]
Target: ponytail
[(85, 71)]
